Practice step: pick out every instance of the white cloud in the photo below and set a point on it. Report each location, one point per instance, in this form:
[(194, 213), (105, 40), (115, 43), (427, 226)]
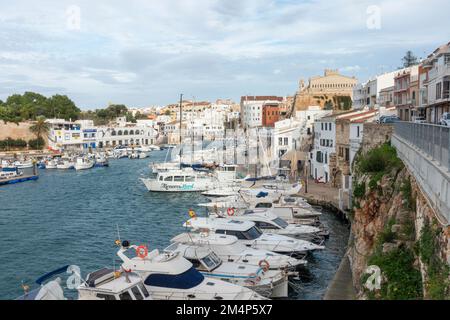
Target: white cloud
[(143, 52)]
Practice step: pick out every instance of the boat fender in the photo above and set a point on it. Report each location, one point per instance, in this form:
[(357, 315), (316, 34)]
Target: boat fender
[(142, 252), (265, 265), (230, 212)]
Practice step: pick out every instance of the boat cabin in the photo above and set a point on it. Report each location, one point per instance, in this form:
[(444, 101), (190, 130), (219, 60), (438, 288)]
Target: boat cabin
[(203, 259), (243, 230), (105, 284)]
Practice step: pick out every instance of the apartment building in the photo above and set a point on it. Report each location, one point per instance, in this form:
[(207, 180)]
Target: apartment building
[(406, 87), (435, 84), (252, 110)]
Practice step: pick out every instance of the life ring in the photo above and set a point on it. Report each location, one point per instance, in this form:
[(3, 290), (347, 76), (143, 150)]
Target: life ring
[(265, 265), (142, 252), (230, 212), (192, 214)]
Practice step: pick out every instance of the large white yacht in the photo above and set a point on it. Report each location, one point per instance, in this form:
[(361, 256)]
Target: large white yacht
[(269, 283), (229, 248), (252, 236), (184, 180), (169, 276)]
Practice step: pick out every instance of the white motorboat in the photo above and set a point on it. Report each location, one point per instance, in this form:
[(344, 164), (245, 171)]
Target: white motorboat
[(51, 164), (287, 210), (229, 248), (252, 236), (185, 180), (24, 164), (101, 161), (8, 174), (269, 222), (84, 163), (169, 276), (268, 283), (65, 164), (104, 284)]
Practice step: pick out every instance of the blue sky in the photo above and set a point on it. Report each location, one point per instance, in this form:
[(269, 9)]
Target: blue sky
[(146, 52)]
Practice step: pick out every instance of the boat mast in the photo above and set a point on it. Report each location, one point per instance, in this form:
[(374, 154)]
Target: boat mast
[(181, 121)]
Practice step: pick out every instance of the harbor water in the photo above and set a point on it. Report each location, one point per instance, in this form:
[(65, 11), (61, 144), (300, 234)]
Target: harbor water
[(73, 218)]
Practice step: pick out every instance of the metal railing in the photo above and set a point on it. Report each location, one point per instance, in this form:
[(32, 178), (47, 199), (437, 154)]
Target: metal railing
[(431, 139)]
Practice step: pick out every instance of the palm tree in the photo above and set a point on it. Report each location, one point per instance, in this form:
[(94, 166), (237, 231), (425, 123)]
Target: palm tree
[(39, 128)]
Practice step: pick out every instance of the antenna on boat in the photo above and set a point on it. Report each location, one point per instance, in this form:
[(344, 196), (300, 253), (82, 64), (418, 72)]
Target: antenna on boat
[(118, 232)]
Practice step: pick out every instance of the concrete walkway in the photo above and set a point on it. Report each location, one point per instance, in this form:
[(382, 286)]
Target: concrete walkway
[(341, 287)]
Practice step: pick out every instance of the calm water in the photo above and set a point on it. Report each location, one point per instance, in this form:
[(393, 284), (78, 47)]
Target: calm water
[(69, 217)]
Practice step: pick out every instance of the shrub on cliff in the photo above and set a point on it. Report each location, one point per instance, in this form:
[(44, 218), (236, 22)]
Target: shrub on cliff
[(379, 160)]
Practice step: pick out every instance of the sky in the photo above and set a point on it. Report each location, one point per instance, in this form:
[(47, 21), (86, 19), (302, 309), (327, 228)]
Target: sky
[(146, 52)]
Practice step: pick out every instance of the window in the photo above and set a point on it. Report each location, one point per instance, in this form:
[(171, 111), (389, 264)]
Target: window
[(347, 154), (125, 296), (280, 141), (439, 90), (144, 291), (265, 226), (108, 297), (286, 141), (137, 293), (358, 131), (178, 179), (282, 223), (189, 179), (187, 280), (168, 178)]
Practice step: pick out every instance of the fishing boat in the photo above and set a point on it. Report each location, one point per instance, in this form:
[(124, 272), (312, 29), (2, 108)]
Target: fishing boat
[(84, 163), (268, 283), (24, 164), (252, 236), (169, 276), (65, 164), (184, 180), (229, 248), (51, 164), (101, 161), (103, 284)]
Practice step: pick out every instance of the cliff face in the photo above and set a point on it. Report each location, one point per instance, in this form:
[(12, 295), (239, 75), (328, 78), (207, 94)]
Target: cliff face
[(394, 229)]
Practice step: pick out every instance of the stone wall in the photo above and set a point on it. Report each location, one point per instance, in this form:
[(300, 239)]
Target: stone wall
[(376, 134), (11, 130)]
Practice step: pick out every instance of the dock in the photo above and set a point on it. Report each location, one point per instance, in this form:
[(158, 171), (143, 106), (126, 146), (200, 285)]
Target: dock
[(18, 179)]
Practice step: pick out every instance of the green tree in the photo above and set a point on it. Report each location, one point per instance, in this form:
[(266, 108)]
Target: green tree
[(39, 128), (409, 59)]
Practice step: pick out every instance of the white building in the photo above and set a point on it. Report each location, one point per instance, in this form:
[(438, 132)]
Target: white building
[(324, 146), (252, 108), (290, 134), (367, 94), (83, 135)]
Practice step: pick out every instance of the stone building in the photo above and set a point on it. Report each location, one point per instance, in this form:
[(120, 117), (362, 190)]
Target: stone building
[(330, 91)]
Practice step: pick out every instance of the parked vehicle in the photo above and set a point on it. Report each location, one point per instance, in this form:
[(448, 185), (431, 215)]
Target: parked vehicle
[(445, 119)]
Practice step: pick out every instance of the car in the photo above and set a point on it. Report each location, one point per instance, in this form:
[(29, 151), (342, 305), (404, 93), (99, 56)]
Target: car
[(445, 119), (390, 119), (418, 119)]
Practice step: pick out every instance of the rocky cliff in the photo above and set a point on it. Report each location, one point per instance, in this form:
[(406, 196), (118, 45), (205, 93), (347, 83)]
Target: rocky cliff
[(395, 230)]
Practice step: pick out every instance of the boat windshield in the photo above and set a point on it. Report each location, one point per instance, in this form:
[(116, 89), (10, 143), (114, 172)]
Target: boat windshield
[(183, 281), (264, 205), (212, 261), (252, 233), (280, 222)]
